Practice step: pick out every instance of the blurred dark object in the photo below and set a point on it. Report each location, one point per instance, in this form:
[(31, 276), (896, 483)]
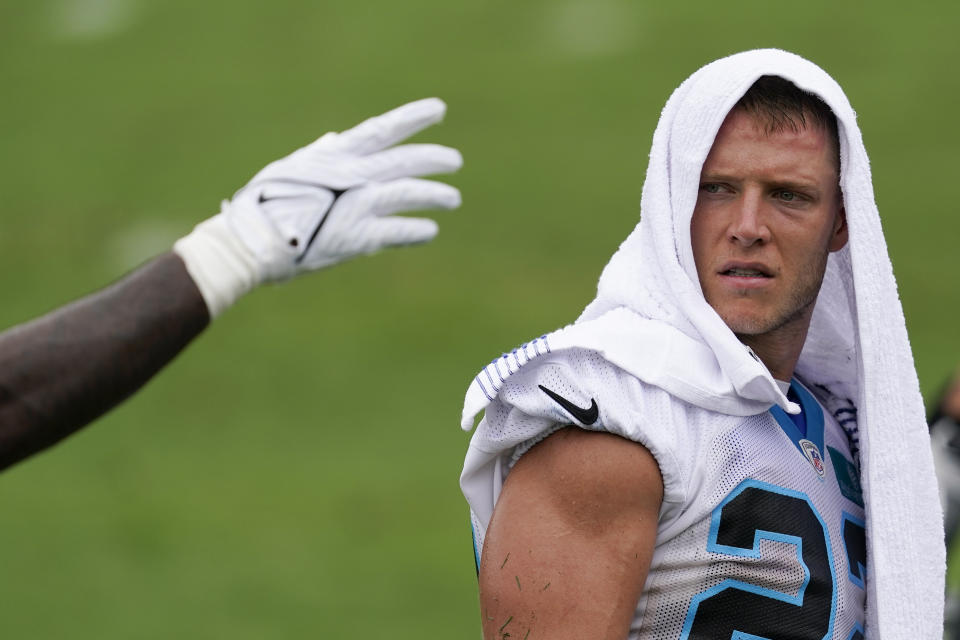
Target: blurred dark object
[(944, 421)]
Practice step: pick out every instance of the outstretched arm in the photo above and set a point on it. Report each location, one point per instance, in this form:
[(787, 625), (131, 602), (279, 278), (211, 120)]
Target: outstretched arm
[(64, 369), (324, 203), (571, 539)]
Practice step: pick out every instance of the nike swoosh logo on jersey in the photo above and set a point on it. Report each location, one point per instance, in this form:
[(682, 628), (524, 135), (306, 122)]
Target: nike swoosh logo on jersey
[(585, 416)]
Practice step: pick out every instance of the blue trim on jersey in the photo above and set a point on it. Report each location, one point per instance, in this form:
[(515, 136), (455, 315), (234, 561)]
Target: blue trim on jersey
[(799, 419), (814, 419), (714, 547), (476, 552), (854, 578)]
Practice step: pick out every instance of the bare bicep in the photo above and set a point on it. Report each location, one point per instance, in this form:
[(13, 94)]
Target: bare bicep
[(570, 542)]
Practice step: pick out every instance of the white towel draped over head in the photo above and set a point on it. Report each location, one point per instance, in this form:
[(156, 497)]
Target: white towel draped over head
[(857, 344), (651, 319), (653, 272)]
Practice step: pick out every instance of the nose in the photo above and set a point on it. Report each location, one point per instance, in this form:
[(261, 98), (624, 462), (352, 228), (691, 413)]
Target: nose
[(748, 226)]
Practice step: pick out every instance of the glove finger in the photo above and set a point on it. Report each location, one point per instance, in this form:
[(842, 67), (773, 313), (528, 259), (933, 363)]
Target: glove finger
[(411, 194), (408, 160), (385, 130), (400, 232)]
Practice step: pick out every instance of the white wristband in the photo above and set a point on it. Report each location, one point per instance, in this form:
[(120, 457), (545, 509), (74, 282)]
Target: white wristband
[(222, 267)]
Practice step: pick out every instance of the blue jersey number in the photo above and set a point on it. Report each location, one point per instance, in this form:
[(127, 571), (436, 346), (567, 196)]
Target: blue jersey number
[(737, 610)]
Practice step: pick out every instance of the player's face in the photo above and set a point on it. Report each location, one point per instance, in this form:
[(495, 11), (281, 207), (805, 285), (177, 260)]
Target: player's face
[(768, 213)]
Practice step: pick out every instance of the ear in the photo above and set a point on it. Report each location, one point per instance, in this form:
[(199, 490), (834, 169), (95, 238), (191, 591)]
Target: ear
[(839, 237)]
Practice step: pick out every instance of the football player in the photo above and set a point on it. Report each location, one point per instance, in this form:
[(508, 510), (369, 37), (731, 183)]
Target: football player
[(329, 201), (729, 443)]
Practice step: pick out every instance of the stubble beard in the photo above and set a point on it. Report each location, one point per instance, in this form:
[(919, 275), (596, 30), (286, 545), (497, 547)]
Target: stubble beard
[(796, 311)]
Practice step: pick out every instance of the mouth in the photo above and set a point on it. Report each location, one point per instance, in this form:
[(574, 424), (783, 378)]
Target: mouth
[(745, 271)]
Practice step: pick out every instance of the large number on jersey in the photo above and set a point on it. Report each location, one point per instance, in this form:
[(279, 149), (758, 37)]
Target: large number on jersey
[(757, 511)]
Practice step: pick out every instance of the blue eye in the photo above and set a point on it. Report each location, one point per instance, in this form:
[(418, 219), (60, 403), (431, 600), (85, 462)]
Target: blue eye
[(787, 196), (711, 187)]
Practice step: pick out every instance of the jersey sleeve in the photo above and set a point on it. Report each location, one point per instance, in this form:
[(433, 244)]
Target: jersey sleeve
[(575, 387)]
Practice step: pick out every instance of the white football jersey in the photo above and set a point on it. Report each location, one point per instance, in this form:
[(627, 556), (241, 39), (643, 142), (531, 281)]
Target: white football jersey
[(761, 533)]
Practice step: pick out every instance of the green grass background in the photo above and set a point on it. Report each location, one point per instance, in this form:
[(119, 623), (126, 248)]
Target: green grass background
[(294, 473)]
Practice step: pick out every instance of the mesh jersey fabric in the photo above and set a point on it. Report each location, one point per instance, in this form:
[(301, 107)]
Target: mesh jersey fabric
[(709, 461)]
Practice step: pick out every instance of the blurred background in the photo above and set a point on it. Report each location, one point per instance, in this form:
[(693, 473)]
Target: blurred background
[(294, 473)]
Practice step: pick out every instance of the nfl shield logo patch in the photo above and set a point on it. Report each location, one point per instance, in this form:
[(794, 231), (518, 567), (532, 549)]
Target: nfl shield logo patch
[(812, 453)]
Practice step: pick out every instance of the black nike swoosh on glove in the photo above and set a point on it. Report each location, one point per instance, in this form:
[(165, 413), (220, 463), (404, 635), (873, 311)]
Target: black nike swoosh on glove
[(336, 196), (585, 416), (313, 236)]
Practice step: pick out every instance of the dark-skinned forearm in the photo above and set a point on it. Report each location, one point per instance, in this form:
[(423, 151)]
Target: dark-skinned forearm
[(62, 370)]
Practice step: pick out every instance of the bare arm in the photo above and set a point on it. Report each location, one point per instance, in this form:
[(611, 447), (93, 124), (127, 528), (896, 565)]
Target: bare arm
[(325, 203), (571, 539), (60, 371)]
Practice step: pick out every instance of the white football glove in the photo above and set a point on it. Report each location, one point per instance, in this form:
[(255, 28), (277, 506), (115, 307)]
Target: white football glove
[(322, 204)]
